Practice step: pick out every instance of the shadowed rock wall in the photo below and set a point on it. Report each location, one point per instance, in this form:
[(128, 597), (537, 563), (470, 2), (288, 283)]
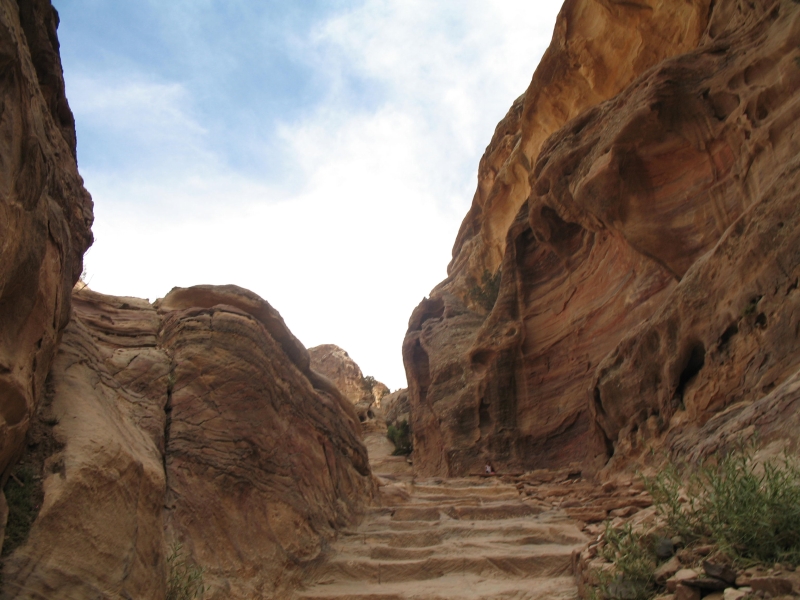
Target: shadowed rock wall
[(45, 213)]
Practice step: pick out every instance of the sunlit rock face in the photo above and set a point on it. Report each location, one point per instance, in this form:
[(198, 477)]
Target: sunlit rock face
[(45, 213), (335, 363), (197, 421), (648, 264)]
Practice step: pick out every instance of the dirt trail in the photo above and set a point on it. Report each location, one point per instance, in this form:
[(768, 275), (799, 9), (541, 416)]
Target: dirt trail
[(435, 539)]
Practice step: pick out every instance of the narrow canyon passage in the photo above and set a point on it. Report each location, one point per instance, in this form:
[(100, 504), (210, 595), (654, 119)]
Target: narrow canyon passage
[(467, 538)]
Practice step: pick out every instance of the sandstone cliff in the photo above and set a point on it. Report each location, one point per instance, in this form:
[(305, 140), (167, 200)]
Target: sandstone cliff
[(45, 213), (334, 363), (195, 420), (637, 205)]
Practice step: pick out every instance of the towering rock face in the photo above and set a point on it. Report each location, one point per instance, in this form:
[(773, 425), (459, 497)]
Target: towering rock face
[(648, 272), (45, 213), (195, 421)]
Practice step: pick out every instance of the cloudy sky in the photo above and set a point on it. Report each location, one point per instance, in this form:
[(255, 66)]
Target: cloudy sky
[(320, 153)]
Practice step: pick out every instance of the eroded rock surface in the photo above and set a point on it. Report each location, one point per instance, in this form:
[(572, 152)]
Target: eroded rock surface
[(262, 467), (335, 363), (193, 422), (647, 250), (45, 213)]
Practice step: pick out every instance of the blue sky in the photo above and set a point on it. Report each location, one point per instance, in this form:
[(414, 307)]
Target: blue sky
[(322, 154)]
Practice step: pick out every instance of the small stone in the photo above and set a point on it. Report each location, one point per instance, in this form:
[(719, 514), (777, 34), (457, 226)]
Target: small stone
[(707, 583), (667, 570), (774, 586), (723, 572), (681, 575), (684, 592), (704, 550), (624, 512), (715, 596), (734, 594), (664, 548)]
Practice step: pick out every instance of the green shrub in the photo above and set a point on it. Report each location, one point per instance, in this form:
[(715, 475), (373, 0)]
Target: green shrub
[(184, 579), (21, 496), (485, 294), (634, 565), (751, 511), (400, 436), (367, 383)]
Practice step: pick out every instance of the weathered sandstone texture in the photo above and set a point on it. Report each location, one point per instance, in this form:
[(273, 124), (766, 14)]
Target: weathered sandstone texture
[(334, 363), (195, 420), (45, 213), (648, 253)]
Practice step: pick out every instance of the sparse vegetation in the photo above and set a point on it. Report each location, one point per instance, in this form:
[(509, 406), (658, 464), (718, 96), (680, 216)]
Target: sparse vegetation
[(184, 579), (368, 382), (21, 495), (749, 511), (634, 565), (400, 436), (485, 294)]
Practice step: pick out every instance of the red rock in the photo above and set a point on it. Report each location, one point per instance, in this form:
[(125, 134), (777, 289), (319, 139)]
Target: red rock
[(684, 592), (45, 214), (648, 257)]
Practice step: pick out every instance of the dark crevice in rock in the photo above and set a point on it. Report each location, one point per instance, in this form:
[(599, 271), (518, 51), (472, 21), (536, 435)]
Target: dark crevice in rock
[(695, 362)]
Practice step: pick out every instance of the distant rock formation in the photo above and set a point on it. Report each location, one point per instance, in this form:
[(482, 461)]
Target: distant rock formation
[(627, 273), (334, 363), (198, 421), (45, 214)]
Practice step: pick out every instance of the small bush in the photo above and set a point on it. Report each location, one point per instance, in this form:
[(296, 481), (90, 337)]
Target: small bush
[(21, 495), (367, 383), (485, 294), (400, 436), (634, 565), (751, 511), (184, 580)]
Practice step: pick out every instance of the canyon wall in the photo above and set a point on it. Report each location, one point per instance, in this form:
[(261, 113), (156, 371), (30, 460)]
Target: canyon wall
[(195, 421), (45, 214), (627, 270)]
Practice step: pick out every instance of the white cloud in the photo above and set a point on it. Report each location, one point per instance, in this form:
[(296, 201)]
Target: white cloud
[(388, 160)]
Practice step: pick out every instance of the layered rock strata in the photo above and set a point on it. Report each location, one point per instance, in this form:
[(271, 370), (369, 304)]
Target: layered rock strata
[(647, 277), (45, 213), (195, 421)]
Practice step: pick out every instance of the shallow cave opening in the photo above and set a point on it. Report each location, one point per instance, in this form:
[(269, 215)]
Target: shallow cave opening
[(696, 361)]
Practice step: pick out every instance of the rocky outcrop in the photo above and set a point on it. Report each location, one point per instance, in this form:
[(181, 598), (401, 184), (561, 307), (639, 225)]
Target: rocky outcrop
[(45, 213), (396, 407), (195, 421), (334, 363), (647, 271)]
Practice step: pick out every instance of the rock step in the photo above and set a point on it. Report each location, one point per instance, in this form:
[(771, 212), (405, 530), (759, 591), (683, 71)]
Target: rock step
[(435, 492), (532, 561), (519, 532), (453, 587), (493, 511), (486, 546)]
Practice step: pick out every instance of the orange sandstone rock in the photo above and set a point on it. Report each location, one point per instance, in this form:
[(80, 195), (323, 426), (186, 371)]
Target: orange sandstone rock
[(45, 213), (646, 247)]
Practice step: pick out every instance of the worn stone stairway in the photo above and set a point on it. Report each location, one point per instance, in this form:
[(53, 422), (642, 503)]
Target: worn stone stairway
[(435, 539)]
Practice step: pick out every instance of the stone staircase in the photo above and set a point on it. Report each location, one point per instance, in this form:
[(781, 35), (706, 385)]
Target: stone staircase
[(436, 539)]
